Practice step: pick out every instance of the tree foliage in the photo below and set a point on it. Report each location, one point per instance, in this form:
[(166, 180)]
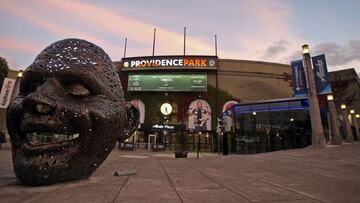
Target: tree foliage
[(4, 69)]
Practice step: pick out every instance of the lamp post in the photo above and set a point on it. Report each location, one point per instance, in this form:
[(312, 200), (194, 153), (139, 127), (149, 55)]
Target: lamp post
[(357, 116), (348, 134), (354, 123), (318, 139), (335, 132)]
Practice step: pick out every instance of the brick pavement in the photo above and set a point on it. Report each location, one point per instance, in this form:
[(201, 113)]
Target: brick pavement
[(303, 175)]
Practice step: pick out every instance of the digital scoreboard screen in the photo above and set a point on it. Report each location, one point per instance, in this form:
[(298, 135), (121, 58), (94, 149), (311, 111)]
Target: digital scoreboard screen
[(168, 82)]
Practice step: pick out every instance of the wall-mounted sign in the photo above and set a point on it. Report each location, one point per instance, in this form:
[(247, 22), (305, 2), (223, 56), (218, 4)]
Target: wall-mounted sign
[(167, 82), (172, 62), (163, 127), (166, 109)]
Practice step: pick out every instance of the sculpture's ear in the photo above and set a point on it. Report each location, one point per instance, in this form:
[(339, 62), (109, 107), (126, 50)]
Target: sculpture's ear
[(132, 119)]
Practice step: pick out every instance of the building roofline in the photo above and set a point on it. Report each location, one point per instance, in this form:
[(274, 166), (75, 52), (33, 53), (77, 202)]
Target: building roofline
[(273, 100), (253, 61)]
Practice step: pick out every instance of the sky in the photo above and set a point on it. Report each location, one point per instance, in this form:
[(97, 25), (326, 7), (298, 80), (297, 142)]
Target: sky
[(262, 30)]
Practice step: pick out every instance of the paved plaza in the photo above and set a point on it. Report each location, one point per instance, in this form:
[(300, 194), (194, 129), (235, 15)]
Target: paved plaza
[(303, 175)]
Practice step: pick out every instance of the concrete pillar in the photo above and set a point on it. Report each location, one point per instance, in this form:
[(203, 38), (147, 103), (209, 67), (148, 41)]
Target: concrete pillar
[(317, 131), (335, 132), (348, 133)]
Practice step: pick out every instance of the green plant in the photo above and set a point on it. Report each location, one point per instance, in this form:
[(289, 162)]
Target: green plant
[(4, 69)]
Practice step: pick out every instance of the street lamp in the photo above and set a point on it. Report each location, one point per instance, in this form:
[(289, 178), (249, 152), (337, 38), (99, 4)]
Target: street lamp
[(318, 139), (348, 132), (330, 97), (335, 137), (352, 111), (20, 74), (305, 49)]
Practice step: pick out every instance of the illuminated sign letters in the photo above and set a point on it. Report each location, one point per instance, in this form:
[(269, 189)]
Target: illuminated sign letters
[(170, 62)]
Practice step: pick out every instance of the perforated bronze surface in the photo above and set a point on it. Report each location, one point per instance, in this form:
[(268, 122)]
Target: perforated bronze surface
[(69, 114)]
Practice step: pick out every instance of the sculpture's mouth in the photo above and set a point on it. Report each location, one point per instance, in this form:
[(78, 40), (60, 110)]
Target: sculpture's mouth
[(46, 138)]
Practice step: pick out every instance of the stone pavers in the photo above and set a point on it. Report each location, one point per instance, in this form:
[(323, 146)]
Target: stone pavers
[(303, 175)]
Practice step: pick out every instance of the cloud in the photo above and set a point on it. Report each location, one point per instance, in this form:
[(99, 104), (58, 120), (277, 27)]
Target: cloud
[(118, 25), (17, 45), (278, 47), (339, 54)]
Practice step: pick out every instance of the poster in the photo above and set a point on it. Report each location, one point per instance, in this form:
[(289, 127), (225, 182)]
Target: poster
[(199, 115), (140, 105), (227, 115)]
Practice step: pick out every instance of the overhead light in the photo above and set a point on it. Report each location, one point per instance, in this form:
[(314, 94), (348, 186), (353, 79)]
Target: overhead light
[(20, 74), (357, 116), (254, 113), (343, 106), (330, 97), (352, 111), (291, 119)]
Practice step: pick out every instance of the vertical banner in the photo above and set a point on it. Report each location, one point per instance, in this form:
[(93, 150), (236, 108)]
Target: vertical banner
[(6, 92), (199, 115), (298, 78), (321, 75)]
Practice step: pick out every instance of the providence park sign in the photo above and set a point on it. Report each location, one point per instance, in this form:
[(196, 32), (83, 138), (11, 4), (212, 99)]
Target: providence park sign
[(202, 62)]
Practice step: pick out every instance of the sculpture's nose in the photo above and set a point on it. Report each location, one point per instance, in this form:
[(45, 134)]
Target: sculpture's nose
[(38, 103)]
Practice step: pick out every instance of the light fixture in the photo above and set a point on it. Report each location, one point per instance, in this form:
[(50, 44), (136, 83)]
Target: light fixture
[(291, 119), (357, 116), (254, 113), (343, 106), (352, 111), (330, 97), (305, 49), (20, 74)]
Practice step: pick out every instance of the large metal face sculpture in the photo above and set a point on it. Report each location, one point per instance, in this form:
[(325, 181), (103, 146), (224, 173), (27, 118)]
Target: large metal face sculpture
[(68, 115)]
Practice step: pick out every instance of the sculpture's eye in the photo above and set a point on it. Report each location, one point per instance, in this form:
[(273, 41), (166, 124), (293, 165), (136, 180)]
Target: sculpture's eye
[(28, 87), (78, 90)]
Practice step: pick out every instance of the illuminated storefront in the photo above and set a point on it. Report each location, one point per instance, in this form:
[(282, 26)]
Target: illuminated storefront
[(271, 125), (199, 89)]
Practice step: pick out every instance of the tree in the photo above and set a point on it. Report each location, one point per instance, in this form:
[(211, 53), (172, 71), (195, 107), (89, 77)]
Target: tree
[(4, 69)]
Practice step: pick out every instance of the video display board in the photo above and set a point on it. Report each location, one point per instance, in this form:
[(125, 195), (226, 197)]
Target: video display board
[(168, 82)]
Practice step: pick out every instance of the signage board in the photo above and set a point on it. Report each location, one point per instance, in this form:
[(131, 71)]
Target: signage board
[(167, 82), (298, 78), (6, 92), (166, 127), (321, 75), (170, 62)]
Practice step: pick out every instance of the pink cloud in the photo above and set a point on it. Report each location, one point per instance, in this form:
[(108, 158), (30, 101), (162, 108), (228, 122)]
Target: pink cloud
[(76, 18), (121, 25), (19, 45)]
